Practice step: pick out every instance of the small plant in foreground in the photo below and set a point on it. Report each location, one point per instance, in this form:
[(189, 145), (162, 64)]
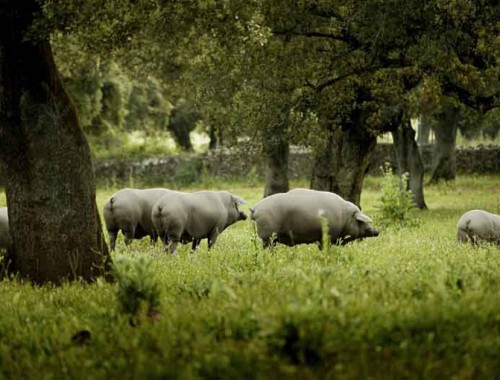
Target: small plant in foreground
[(137, 289), (396, 201)]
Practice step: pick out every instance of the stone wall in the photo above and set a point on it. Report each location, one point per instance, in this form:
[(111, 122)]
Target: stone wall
[(482, 159), (187, 168)]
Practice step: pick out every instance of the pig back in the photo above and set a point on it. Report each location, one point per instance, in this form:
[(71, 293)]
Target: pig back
[(147, 198), (299, 212), (207, 210)]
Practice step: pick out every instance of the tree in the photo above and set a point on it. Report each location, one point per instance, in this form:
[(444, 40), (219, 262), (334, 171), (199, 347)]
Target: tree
[(353, 59), (183, 118), (445, 129), (371, 55), (50, 188), (409, 159), (462, 59)]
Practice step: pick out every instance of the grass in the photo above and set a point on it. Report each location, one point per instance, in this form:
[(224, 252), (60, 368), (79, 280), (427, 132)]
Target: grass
[(411, 303)]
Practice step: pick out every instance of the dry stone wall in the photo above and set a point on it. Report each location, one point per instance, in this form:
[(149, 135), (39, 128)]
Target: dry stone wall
[(184, 169), (188, 168)]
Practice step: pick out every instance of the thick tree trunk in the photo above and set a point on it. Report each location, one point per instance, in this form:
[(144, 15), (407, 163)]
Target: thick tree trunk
[(181, 136), (409, 160), (50, 188), (341, 165), (444, 167), (182, 121), (277, 150)]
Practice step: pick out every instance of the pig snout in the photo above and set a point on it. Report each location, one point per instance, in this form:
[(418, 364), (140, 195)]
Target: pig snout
[(242, 215), (372, 232)]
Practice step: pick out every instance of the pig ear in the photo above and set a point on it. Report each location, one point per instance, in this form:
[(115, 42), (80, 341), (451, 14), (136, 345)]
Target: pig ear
[(238, 200), (362, 217)]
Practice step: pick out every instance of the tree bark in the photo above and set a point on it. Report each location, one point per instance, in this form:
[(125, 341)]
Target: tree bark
[(409, 160), (341, 165), (212, 145), (182, 121), (277, 151), (444, 167), (53, 217), (424, 130), (181, 135)]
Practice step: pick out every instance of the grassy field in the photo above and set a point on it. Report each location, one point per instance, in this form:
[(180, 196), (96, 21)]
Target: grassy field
[(411, 303)]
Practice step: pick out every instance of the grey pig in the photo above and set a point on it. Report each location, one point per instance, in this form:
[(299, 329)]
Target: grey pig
[(295, 218), (182, 217), (129, 210), (478, 226)]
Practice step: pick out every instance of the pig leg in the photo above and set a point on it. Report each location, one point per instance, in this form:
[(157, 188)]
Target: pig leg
[(173, 246), (129, 234), (112, 239), (164, 240), (212, 237), (195, 244), (153, 237), (462, 236)]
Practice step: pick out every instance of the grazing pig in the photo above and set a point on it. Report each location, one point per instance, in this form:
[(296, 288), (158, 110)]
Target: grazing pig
[(478, 226), (129, 210), (5, 238), (191, 217), (295, 218)]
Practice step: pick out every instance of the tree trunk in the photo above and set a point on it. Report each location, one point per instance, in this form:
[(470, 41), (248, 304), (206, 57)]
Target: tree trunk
[(181, 136), (50, 187), (424, 130), (277, 150), (212, 145), (444, 167), (341, 165), (409, 160)]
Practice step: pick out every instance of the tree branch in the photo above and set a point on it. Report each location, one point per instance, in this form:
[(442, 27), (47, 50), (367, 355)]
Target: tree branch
[(477, 102), (330, 36)]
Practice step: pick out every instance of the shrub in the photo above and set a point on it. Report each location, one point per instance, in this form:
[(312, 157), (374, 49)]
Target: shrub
[(396, 201)]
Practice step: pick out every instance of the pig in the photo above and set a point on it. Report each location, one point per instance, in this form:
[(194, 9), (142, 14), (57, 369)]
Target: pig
[(129, 210), (195, 216), (295, 218), (478, 226), (5, 238)]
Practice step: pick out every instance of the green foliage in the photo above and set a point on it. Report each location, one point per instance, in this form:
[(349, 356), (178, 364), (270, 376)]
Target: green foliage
[(85, 89), (147, 108), (137, 289), (342, 59), (188, 173), (300, 336), (396, 202)]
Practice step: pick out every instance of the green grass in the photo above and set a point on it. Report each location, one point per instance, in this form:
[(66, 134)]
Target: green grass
[(411, 303)]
